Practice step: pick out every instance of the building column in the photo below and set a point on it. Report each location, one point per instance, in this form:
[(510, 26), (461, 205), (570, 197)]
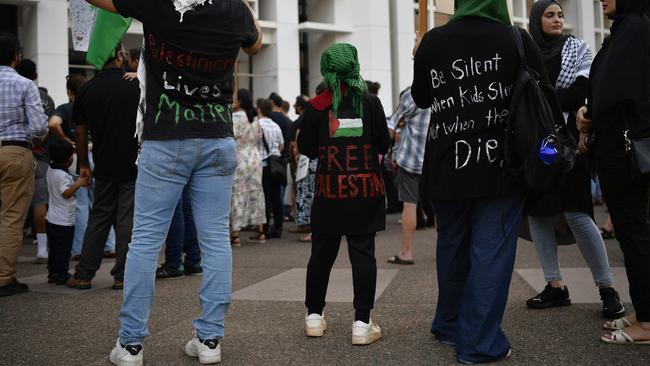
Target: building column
[(371, 19), (586, 24), (44, 38), (279, 61), (402, 41)]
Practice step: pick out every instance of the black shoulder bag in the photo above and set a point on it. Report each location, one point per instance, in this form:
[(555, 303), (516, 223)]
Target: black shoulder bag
[(539, 149), (277, 165)]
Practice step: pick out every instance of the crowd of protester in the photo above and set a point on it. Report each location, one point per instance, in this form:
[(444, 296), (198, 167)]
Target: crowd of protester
[(86, 183)]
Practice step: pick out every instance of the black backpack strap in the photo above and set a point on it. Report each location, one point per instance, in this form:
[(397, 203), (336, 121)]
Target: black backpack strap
[(519, 43)]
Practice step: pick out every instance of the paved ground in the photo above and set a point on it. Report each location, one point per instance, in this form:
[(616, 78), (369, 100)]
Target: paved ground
[(54, 326)]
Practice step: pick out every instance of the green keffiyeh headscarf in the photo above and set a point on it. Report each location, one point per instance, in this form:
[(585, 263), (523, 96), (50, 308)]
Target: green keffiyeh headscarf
[(340, 64), (496, 10)]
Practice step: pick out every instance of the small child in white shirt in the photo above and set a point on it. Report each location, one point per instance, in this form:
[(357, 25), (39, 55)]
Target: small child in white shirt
[(61, 211)]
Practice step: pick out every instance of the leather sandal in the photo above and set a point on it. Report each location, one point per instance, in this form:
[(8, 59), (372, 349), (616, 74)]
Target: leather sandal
[(620, 337), (617, 324)]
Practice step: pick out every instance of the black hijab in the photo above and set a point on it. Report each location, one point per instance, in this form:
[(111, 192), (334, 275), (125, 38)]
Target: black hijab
[(551, 46), (621, 70)]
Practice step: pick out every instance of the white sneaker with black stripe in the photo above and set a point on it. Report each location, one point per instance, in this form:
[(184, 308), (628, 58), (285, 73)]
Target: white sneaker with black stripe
[(207, 350), (129, 355)]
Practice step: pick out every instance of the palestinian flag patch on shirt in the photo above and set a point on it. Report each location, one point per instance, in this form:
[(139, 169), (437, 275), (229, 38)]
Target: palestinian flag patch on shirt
[(345, 127)]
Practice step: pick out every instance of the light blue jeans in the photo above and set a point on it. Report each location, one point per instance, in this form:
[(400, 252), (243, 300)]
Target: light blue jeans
[(207, 167), (589, 241)]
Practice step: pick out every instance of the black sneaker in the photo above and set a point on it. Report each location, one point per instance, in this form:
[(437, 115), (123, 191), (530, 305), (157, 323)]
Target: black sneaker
[(193, 270), (612, 305), (13, 288), (165, 272), (549, 298)]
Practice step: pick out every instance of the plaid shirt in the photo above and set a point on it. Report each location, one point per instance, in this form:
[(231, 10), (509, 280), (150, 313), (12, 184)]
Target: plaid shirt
[(410, 154), (21, 110)]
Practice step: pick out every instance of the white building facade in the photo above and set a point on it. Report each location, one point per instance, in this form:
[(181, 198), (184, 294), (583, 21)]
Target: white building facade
[(295, 34)]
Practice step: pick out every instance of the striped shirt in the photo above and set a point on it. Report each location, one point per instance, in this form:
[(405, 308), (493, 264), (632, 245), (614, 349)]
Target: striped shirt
[(21, 109), (410, 154)]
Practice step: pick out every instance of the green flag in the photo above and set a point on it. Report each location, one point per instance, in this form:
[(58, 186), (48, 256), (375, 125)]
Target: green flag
[(108, 30)]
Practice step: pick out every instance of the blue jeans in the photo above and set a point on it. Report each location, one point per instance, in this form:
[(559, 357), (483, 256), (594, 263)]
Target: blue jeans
[(477, 242), (207, 167), (589, 240), (182, 235)]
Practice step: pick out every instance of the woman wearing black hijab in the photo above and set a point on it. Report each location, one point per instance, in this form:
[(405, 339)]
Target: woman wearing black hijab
[(619, 100), (568, 61)]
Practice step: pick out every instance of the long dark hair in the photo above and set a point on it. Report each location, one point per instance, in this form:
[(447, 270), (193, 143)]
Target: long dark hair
[(245, 99)]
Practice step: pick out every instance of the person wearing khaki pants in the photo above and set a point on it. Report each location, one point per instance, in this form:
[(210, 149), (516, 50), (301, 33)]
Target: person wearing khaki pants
[(21, 120), (16, 190)]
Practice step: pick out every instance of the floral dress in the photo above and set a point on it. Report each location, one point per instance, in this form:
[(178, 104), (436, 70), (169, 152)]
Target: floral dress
[(247, 192)]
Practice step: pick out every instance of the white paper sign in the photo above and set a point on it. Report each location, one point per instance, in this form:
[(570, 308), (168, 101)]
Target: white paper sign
[(82, 19), (303, 168)]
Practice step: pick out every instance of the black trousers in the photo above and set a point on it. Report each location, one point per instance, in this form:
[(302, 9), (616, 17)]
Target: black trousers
[(628, 201), (113, 206), (272, 193), (324, 251), (59, 242)]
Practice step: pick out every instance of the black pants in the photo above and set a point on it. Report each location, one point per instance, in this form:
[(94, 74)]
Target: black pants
[(113, 206), (628, 200), (324, 251), (272, 192), (59, 242)]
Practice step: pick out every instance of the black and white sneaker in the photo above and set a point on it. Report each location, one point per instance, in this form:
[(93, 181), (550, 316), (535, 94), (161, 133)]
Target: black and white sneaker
[(549, 298), (129, 355), (207, 350), (168, 273), (612, 305), (193, 270)]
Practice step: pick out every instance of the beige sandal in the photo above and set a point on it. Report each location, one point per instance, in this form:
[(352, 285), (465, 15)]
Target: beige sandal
[(620, 337), (617, 324)]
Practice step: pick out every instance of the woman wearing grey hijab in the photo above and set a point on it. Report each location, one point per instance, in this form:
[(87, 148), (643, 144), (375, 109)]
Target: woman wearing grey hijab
[(568, 62)]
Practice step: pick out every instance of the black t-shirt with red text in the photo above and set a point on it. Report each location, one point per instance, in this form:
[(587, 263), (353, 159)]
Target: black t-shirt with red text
[(189, 62), (349, 195)]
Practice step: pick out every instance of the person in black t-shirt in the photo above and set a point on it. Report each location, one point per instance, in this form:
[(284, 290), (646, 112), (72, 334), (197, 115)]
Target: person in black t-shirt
[(106, 108), (189, 55)]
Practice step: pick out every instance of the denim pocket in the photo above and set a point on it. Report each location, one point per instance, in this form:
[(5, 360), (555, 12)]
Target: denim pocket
[(225, 160)]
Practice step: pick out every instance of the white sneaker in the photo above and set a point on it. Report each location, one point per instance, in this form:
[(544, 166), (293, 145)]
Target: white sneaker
[(364, 334), (208, 351), (130, 355), (315, 325)]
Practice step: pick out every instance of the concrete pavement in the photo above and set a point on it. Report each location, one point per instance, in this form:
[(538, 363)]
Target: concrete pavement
[(57, 326)]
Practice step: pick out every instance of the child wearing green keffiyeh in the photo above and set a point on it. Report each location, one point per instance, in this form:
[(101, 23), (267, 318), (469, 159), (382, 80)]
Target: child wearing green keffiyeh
[(345, 129)]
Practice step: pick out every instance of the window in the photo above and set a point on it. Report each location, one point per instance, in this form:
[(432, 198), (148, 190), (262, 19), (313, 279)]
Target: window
[(601, 24)]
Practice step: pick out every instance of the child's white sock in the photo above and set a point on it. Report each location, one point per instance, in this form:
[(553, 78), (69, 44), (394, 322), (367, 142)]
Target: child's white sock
[(42, 245)]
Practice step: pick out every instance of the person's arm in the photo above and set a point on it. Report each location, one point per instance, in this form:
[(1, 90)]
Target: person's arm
[(104, 4), (420, 88), (380, 127), (574, 96), (36, 117), (82, 152), (74, 187), (257, 45), (54, 125), (308, 137)]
